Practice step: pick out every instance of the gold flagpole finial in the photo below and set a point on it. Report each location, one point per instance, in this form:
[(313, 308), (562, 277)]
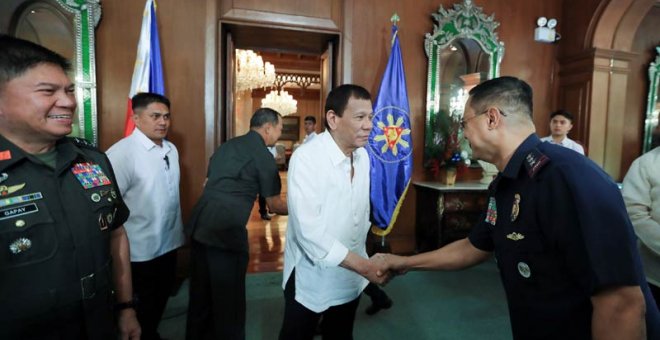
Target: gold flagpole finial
[(395, 18)]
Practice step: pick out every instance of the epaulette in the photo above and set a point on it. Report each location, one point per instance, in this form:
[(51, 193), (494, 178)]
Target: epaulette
[(535, 160), (84, 143)]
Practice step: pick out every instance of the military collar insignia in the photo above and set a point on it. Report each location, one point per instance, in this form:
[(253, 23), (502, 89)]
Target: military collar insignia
[(535, 160), (83, 142)]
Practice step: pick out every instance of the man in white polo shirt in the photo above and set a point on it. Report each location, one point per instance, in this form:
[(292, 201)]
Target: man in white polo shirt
[(310, 128), (561, 123), (146, 166)]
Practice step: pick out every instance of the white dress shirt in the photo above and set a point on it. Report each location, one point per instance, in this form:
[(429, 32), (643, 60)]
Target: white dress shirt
[(148, 179), (641, 192), (567, 143), (309, 137), (328, 216), (272, 150)]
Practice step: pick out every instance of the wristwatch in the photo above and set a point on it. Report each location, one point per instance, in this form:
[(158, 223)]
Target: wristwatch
[(125, 305)]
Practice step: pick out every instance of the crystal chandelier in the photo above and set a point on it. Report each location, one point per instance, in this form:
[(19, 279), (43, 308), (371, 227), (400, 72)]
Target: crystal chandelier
[(280, 101), (252, 72), (457, 104)]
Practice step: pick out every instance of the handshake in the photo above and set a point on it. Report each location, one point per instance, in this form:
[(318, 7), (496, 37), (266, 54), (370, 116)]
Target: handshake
[(383, 267)]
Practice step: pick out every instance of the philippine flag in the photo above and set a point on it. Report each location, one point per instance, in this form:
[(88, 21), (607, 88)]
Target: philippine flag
[(148, 72)]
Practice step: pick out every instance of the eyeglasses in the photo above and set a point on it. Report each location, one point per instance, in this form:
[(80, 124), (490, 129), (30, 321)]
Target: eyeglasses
[(464, 121)]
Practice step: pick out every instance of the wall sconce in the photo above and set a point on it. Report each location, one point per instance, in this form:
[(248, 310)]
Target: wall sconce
[(545, 32)]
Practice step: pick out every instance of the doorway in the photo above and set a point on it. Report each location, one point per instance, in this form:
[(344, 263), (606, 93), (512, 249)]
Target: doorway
[(305, 64), (306, 67)]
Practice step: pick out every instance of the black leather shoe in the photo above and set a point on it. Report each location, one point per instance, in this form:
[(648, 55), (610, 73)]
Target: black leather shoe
[(265, 217), (377, 306)]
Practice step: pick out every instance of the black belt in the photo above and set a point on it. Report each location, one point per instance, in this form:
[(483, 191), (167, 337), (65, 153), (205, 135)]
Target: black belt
[(38, 302), (87, 286)]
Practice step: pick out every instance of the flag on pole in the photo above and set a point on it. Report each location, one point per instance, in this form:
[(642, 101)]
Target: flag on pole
[(148, 71), (390, 142)]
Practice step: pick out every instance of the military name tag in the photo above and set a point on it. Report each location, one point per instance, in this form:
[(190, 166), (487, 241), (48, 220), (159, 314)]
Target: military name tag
[(18, 211), (5, 202), (90, 175)]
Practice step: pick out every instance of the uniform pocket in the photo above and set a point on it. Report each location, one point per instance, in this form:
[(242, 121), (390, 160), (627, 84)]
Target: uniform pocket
[(104, 207), (27, 235)]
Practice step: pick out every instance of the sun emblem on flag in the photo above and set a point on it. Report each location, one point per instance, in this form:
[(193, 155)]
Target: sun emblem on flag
[(391, 135)]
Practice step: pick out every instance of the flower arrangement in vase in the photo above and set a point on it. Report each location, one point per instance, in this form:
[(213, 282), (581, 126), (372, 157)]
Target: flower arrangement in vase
[(450, 152)]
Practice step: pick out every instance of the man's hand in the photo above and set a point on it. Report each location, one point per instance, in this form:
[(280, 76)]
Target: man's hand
[(378, 272), (365, 267), (128, 325), (391, 264)]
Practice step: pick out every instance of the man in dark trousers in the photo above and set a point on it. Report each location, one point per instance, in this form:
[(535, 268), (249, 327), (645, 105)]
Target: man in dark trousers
[(61, 231), (557, 224), (239, 169), (146, 165)]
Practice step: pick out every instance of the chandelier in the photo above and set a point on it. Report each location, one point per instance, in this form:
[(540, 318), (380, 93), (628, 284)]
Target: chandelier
[(457, 104), (252, 72), (280, 101)]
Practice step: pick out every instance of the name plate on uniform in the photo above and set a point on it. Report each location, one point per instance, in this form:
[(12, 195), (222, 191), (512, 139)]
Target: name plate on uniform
[(18, 211)]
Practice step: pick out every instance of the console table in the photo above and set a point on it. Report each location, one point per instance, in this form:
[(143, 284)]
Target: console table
[(447, 213)]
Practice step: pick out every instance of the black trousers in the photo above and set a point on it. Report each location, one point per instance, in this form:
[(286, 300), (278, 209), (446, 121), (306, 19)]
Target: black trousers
[(153, 282), (263, 209), (300, 323), (93, 320), (376, 294), (217, 293), (655, 291)]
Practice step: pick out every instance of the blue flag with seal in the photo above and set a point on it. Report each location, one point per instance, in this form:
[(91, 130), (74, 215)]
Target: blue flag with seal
[(390, 143)]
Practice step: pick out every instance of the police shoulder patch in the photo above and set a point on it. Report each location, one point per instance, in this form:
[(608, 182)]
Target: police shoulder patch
[(535, 160)]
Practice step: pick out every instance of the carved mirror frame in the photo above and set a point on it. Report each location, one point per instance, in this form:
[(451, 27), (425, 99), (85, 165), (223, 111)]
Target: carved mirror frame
[(464, 20), (651, 120), (86, 15)]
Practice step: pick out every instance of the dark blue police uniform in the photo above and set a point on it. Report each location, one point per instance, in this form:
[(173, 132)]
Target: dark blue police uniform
[(560, 232), (55, 229)]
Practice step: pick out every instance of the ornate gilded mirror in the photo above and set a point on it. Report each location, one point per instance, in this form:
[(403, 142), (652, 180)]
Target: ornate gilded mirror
[(652, 106), (463, 51), (67, 27)]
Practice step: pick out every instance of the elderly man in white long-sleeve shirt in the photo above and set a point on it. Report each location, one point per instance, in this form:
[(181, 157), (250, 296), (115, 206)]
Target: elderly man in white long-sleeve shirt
[(325, 260), (641, 192)]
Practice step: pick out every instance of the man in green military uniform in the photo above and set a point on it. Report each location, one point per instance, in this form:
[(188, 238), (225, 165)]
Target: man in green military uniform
[(239, 169), (63, 244)]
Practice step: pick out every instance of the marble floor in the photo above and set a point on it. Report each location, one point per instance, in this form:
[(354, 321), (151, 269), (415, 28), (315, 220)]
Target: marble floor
[(266, 239)]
